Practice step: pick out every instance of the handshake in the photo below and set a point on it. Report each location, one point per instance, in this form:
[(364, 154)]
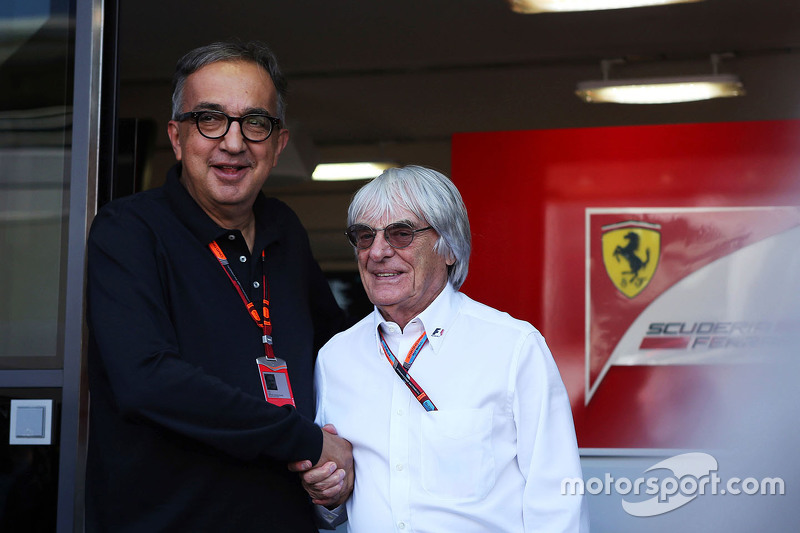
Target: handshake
[(330, 481)]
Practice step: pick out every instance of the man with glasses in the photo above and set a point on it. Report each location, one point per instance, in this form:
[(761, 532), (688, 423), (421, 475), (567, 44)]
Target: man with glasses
[(205, 310), (456, 411)]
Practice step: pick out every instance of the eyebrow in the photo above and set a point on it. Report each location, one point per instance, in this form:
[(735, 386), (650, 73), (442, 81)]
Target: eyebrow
[(403, 221), (209, 106)]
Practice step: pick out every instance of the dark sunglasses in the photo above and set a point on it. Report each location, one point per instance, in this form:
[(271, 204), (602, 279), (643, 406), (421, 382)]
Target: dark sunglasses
[(399, 235)]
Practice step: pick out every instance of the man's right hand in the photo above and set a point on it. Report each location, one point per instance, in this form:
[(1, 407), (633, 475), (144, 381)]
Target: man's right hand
[(330, 481)]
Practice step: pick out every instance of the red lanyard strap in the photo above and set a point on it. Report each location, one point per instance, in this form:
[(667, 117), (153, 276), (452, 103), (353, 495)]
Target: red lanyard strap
[(265, 324), (402, 369)]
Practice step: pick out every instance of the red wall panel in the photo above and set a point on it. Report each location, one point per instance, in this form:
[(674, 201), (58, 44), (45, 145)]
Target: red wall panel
[(527, 193)]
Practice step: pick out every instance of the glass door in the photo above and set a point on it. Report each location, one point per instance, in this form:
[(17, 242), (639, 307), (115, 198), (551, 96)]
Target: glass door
[(49, 97)]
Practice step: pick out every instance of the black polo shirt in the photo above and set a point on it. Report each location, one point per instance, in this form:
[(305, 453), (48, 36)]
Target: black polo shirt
[(181, 437)]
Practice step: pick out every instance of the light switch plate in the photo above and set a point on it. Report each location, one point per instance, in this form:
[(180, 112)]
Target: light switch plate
[(31, 422)]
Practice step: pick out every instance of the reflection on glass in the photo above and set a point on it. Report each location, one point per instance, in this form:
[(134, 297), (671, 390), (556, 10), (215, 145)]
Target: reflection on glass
[(35, 125)]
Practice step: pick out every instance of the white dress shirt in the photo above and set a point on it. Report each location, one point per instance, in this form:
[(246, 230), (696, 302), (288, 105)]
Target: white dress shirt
[(491, 458)]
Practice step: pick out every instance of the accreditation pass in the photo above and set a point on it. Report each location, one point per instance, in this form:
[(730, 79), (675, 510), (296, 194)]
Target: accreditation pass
[(275, 380)]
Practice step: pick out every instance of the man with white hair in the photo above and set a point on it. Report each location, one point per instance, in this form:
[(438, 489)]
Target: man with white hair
[(457, 414)]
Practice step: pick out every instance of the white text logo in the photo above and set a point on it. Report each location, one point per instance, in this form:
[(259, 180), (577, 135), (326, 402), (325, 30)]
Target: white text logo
[(693, 474)]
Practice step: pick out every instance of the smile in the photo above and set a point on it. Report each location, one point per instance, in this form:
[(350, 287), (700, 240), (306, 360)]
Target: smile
[(230, 172)]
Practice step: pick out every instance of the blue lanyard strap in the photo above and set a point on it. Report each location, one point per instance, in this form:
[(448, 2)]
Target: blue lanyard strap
[(402, 369)]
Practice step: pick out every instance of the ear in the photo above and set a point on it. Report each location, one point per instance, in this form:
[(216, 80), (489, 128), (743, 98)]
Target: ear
[(174, 133), (280, 144)]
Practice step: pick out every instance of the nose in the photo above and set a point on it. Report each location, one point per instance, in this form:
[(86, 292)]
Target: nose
[(380, 247), (233, 141)]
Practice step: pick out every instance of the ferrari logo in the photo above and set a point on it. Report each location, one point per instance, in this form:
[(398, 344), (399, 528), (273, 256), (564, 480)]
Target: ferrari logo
[(630, 254)]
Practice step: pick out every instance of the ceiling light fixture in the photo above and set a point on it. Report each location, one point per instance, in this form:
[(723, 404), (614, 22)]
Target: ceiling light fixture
[(543, 6), (348, 171), (660, 90)]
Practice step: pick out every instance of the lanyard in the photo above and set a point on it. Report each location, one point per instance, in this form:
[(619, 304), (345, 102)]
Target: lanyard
[(402, 369), (265, 324)]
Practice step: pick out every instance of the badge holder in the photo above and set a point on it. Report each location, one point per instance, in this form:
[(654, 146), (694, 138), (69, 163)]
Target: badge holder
[(275, 380)]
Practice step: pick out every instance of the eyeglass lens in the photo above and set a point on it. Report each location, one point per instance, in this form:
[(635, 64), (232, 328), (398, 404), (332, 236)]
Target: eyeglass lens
[(214, 124), (398, 235)]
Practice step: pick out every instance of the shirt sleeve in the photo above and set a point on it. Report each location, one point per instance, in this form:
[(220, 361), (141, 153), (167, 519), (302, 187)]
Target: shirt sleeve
[(324, 517), (547, 449), (135, 351), (320, 389), (330, 518)]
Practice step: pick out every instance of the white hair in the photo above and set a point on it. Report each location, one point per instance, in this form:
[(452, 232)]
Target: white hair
[(432, 197)]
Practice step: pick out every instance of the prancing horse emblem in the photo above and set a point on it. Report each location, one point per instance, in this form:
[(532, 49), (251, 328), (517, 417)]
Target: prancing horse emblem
[(630, 253)]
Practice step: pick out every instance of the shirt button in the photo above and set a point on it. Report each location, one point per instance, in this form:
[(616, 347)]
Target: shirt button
[(399, 467), (400, 412), (242, 259), (231, 237), (256, 284), (401, 525)]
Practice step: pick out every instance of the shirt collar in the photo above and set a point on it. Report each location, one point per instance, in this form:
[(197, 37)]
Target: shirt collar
[(205, 229), (436, 318)]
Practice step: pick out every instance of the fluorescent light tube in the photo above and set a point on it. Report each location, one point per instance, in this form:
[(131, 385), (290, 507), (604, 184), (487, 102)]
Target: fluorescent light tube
[(660, 90), (348, 171), (542, 6)]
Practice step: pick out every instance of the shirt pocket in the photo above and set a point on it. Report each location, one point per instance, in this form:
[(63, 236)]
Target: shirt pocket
[(457, 462)]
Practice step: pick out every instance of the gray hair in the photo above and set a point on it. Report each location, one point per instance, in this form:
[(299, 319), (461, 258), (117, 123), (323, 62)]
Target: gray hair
[(433, 198), (253, 51)]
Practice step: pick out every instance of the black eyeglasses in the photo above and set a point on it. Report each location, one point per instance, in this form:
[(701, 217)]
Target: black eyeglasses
[(255, 127), (399, 235)]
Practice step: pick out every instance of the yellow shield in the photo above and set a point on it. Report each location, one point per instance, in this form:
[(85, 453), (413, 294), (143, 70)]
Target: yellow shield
[(630, 254)]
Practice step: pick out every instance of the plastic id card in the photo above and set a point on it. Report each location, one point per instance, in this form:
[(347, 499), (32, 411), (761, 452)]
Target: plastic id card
[(275, 380)]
